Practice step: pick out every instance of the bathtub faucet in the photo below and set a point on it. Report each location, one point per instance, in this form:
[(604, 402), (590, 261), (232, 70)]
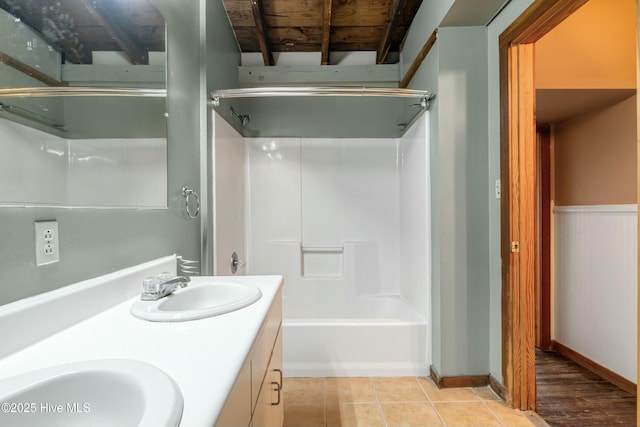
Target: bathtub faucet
[(165, 288)]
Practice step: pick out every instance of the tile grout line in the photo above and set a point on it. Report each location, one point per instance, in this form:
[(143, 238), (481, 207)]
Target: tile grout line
[(493, 413), (324, 403), (431, 402), (375, 394)]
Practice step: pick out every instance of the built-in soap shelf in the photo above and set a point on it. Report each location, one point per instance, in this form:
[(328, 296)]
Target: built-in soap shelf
[(322, 261)]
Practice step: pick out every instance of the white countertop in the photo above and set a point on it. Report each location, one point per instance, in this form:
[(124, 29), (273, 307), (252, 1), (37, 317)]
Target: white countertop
[(203, 356)]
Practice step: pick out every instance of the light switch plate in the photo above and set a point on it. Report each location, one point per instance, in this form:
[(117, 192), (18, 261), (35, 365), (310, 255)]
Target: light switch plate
[(47, 245)]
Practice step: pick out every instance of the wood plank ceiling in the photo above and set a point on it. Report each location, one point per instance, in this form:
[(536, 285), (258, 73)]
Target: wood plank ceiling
[(76, 28), (324, 26)]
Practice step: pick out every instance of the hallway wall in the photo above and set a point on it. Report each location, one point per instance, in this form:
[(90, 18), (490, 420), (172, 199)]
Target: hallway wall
[(595, 156), (596, 276)]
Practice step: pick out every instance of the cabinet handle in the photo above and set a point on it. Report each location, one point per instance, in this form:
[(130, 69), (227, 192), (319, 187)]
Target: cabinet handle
[(280, 379), (277, 388)]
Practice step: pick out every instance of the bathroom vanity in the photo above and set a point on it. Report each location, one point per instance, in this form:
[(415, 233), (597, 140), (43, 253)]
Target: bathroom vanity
[(228, 367), (256, 397)]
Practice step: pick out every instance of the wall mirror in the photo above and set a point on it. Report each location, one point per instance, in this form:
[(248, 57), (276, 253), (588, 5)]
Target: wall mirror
[(82, 103)]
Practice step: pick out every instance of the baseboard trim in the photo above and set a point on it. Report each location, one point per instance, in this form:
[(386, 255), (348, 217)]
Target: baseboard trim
[(458, 380), (596, 368), (498, 388)]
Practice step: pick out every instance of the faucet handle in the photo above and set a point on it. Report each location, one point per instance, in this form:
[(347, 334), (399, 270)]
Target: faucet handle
[(150, 285), (165, 276)]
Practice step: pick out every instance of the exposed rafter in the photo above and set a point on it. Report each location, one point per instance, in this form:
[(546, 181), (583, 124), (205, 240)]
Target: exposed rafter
[(326, 31), (325, 26), (395, 9), (107, 17), (30, 71), (261, 31)]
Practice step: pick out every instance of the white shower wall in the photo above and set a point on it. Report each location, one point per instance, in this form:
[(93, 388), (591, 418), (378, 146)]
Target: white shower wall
[(415, 217), (341, 218), (37, 168), (347, 223), (329, 210)]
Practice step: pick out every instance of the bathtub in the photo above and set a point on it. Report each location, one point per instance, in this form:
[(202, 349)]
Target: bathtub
[(364, 336)]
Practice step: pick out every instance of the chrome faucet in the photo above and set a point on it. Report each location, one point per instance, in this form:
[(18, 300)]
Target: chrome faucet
[(166, 288)]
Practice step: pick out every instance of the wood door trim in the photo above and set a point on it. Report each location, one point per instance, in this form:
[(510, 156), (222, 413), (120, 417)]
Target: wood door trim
[(540, 18), (638, 180), (543, 300), (517, 208)]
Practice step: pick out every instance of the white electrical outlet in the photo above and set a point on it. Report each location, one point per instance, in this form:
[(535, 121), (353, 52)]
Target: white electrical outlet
[(498, 190), (47, 246)]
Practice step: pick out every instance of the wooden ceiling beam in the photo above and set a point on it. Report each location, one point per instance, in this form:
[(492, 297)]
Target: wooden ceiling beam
[(326, 31), (108, 17), (261, 31), (395, 9), (30, 71)]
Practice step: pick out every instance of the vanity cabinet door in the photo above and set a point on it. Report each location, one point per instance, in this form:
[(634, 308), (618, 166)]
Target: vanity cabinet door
[(263, 347), (249, 403), (276, 404), (269, 411), (237, 408)]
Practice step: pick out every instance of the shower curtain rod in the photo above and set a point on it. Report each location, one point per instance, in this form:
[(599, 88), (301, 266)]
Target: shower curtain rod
[(261, 92), (80, 91)]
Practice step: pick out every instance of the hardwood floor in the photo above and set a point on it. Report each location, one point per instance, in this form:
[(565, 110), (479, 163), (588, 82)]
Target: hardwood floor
[(569, 395)]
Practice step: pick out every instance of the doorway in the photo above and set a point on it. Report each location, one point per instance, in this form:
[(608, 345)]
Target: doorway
[(519, 209)]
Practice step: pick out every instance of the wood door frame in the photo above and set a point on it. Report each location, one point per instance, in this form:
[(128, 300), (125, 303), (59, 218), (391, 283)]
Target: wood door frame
[(638, 190), (543, 243), (518, 166)]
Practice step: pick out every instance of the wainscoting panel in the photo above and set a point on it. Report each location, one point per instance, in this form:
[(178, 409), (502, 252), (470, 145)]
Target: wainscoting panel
[(595, 289)]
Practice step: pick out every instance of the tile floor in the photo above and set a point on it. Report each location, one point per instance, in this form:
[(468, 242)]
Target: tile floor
[(393, 402)]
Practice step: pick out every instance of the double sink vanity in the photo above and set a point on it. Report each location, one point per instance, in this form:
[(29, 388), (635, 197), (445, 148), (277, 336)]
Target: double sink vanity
[(95, 353)]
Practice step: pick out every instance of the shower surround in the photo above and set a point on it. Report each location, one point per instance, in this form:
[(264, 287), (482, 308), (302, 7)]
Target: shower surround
[(346, 221)]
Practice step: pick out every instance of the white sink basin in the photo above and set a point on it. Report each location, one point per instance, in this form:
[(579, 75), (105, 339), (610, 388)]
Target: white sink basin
[(96, 393), (203, 297)]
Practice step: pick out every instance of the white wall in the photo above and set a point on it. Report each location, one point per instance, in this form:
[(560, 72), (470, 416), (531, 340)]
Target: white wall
[(325, 212), (415, 222), (595, 291), (228, 158), (37, 168), (342, 218), (415, 217)]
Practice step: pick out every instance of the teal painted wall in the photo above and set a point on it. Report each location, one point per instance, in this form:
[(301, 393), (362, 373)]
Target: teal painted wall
[(463, 201), (465, 163), (459, 197), (95, 242), (221, 55)]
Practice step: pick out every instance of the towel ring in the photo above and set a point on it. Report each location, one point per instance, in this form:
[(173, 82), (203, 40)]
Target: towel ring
[(187, 193)]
